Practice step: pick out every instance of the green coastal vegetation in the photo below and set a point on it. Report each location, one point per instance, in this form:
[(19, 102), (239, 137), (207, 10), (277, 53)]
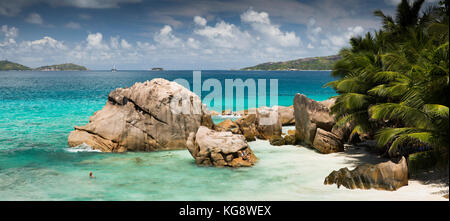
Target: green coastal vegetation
[(6, 65), (314, 63), (62, 67), (11, 66), (392, 84)]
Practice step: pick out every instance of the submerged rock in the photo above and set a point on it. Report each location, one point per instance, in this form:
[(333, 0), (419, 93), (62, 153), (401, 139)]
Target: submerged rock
[(142, 118), (213, 148), (385, 176)]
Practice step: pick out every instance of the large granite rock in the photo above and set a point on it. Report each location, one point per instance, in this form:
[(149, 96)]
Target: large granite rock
[(247, 126), (309, 114), (144, 117), (385, 176), (286, 115), (328, 103), (327, 142), (262, 123), (213, 148), (268, 122), (314, 125)]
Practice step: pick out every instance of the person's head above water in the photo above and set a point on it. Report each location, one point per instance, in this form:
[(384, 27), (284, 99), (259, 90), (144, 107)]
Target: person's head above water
[(90, 174)]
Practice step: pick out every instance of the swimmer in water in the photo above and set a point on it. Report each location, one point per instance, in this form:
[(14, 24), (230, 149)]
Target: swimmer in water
[(91, 175)]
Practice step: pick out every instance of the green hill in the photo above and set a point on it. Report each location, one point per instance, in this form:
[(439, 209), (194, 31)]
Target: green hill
[(8, 65), (313, 63), (62, 67)]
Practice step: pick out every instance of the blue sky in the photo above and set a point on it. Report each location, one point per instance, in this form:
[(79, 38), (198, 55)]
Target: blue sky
[(175, 34)]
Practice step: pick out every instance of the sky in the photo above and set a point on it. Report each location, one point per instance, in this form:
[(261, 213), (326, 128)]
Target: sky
[(176, 34)]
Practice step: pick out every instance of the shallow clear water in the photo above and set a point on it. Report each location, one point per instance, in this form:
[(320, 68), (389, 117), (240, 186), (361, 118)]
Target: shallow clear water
[(39, 109)]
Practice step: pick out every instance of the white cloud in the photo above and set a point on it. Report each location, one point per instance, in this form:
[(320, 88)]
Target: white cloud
[(34, 18), (96, 41), (73, 25), (145, 46), (9, 35), (251, 16), (343, 39), (200, 21), (224, 35), (166, 38), (9, 32), (124, 44), (191, 42), (339, 41), (114, 42), (261, 23), (45, 42)]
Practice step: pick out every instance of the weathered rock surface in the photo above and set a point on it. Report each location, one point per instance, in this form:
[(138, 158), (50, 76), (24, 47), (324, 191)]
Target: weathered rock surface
[(327, 142), (314, 125), (291, 132), (228, 125), (328, 103), (308, 111), (276, 140), (287, 115), (247, 126), (213, 148), (385, 176), (289, 140), (141, 118), (263, 124), (268, 122)]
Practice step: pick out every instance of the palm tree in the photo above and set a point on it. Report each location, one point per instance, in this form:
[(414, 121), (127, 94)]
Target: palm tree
[(393, 82)]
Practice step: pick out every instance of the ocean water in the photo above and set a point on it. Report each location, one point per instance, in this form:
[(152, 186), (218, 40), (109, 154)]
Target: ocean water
[(39, 109)]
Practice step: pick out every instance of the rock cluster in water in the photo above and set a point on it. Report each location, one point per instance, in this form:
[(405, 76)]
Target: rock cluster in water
[(140, 118), (315, 125), (262, 123), (213, 148), (385, 176)]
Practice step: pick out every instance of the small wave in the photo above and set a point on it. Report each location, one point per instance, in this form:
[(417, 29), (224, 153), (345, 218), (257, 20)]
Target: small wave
[(81, 148)]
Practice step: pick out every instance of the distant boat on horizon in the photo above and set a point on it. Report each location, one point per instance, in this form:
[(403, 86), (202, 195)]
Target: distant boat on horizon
[(114, 68)]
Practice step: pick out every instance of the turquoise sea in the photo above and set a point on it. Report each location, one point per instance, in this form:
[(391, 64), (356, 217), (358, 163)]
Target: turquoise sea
[(39, 109)]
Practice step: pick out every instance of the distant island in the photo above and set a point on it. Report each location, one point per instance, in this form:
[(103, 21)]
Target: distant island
[(11, 66), (313, 63), (62, 67), (157, 69)]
